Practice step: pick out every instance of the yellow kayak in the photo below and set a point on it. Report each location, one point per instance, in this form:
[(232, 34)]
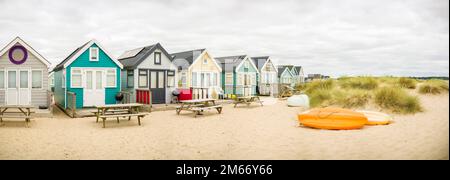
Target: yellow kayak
[(376, 118)]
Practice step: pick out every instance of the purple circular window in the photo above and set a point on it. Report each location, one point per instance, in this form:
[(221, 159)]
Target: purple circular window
[(18, 51)]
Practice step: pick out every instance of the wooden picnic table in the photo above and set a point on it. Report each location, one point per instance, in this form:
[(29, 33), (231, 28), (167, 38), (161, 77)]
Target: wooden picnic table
[(118, 111), (24, 112), (247, 100), (198, 106)]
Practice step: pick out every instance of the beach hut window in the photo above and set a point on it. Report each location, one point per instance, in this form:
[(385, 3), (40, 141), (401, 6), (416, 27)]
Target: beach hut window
[(183, 79), (12, 80), (161, 79), (253, 79), (205, 61), (130, 79), (99, 78), (89, 80), (63, 80), (76, 78), (52, 81), (170, 79), (153, 79), (93, 54), (143, 78), (246, 65), (111, 78), (214, 79), (2, 79), (157, 58), (208, 79), (23, 79), (36, 75), (229, 79), (239, 79), (194, 79)]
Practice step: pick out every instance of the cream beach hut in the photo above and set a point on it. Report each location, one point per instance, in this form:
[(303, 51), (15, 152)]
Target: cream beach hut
[(198, 71), (267, 79)]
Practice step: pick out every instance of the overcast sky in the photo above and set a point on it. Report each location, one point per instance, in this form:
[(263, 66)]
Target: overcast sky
[(345, 37)]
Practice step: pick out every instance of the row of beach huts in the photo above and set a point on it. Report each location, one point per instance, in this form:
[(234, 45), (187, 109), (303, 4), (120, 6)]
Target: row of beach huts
[(90, 76)]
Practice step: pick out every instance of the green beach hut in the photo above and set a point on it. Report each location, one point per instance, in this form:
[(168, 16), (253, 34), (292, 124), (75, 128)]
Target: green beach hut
[(239, 75)]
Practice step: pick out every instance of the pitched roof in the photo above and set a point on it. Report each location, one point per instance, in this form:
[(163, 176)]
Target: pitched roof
[(189, 56), (75, 54), (230, 63), (28, 47), (61, 64), (260, 61), (298, 69), (281, 69), (132, 58)]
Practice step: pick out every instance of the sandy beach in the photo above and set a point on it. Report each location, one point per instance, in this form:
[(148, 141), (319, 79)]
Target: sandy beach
[(269, 132)]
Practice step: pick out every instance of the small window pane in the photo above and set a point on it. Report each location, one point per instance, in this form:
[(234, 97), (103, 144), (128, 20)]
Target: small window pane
[(89, 80), (12, 79), (157, 58), (208, 80), (98, 77), (170, 81), (130, 79), (143, 79), (161, 79), (23, 79), (194, 79), (153, 79), (2, 79), (94, 54), (111, 78)]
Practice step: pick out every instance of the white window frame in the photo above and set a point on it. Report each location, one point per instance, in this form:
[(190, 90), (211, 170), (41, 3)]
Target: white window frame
[(97, 54), (4, 79), (147, 84), (183, 75), (205, 61), (63, 79), (227, 76), (42, 79), (52, 81), (71, 77), (115, 78)]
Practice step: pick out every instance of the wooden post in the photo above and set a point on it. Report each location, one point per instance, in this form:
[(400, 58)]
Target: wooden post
[(74, 105), (150, 95)]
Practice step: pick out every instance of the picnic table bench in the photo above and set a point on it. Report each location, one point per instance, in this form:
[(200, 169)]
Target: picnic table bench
[(247, 100), (24, 112), (198, 106), (118, 111)]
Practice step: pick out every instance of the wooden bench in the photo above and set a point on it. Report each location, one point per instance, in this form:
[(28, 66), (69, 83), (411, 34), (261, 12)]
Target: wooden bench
[(110, 112), (247, 101), (27, 118), (138, 115), (198, 110)]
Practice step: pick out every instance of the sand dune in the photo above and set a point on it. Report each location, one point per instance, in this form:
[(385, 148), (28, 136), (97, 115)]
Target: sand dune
[(269, 132)]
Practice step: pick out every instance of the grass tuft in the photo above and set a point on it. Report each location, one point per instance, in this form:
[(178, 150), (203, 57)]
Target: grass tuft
[(397, 100)]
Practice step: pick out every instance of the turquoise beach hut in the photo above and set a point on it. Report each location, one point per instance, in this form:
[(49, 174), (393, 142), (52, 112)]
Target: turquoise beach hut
[(91, 73)]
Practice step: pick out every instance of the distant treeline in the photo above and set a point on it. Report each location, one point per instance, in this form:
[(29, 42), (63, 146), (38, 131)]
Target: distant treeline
[(431, 77)]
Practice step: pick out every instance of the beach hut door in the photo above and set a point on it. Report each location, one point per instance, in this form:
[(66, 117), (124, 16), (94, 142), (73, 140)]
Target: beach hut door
[(94, 90), (18, 91), (158, 86)]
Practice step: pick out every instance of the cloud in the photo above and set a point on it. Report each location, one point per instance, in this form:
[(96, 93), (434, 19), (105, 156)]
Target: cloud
[(348, 37)]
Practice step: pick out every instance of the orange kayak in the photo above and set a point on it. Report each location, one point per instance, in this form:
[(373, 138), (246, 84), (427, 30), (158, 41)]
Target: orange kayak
[(333, 119)]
